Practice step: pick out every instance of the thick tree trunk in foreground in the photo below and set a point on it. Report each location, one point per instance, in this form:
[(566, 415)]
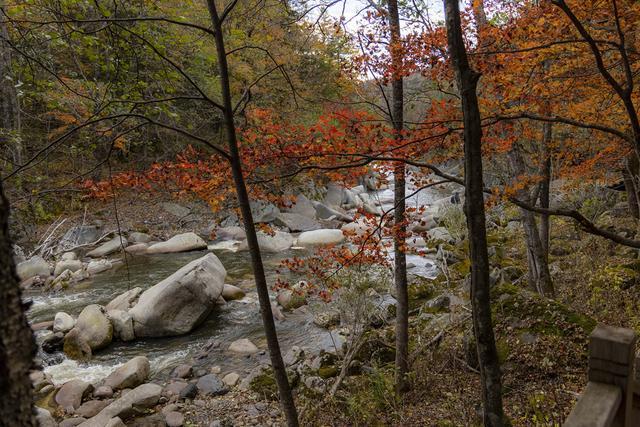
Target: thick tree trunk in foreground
[(16, 340), (467, 80), (286, 398), (400, 259)]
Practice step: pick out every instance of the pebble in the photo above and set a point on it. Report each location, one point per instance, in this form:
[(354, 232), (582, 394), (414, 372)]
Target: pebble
[(189, 392), (182, 371), (231, 379), (174, 419)]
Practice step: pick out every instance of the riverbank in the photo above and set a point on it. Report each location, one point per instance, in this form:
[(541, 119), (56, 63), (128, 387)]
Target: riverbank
[(548, 337)]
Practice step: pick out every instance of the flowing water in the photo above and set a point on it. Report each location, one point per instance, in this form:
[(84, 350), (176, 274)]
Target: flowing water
[(236, 319)]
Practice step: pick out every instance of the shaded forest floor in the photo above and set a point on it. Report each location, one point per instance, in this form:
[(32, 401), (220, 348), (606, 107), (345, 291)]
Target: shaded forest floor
[(542, 343)]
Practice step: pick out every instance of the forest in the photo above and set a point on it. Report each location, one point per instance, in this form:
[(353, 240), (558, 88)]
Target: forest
[(319, 213)]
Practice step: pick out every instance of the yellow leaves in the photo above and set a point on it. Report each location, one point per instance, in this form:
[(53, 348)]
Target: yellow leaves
[(120, 143)]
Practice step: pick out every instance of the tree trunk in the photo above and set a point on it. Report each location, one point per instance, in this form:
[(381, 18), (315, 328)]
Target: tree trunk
[(16, 340), (286, 398), (539, 276), (9, 107), (400, 258), (467, 80), (631, 184), (545, 187)]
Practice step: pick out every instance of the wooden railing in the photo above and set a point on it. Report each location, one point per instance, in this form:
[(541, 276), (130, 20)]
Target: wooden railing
[(612, 395)]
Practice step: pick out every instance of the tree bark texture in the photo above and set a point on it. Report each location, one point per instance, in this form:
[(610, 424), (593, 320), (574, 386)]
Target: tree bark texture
[(17, 347), (286, 398), (467, 80), (400, 258)]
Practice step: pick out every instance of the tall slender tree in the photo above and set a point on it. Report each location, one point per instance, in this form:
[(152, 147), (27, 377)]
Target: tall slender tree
[(400, 258), (284, 389), (467, 80), (9, 107)]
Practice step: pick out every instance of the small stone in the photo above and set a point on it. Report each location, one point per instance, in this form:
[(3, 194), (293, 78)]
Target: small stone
[(175, 388), (63, 322), (170, 408), (174, 419), (200, 372), (243, 346), (182, 371), (230, 292), (211, 385), (215, 369), (231, 379), (189, 392)]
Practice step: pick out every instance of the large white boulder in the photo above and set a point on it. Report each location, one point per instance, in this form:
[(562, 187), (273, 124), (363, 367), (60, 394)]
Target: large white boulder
[(320, 237), (94, 327), (63, 322), (180, 302), (280, 241), (34, 266), (179, 243)]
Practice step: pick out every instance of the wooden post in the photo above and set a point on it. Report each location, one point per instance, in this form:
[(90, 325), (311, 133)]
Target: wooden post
[(611, 361)]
